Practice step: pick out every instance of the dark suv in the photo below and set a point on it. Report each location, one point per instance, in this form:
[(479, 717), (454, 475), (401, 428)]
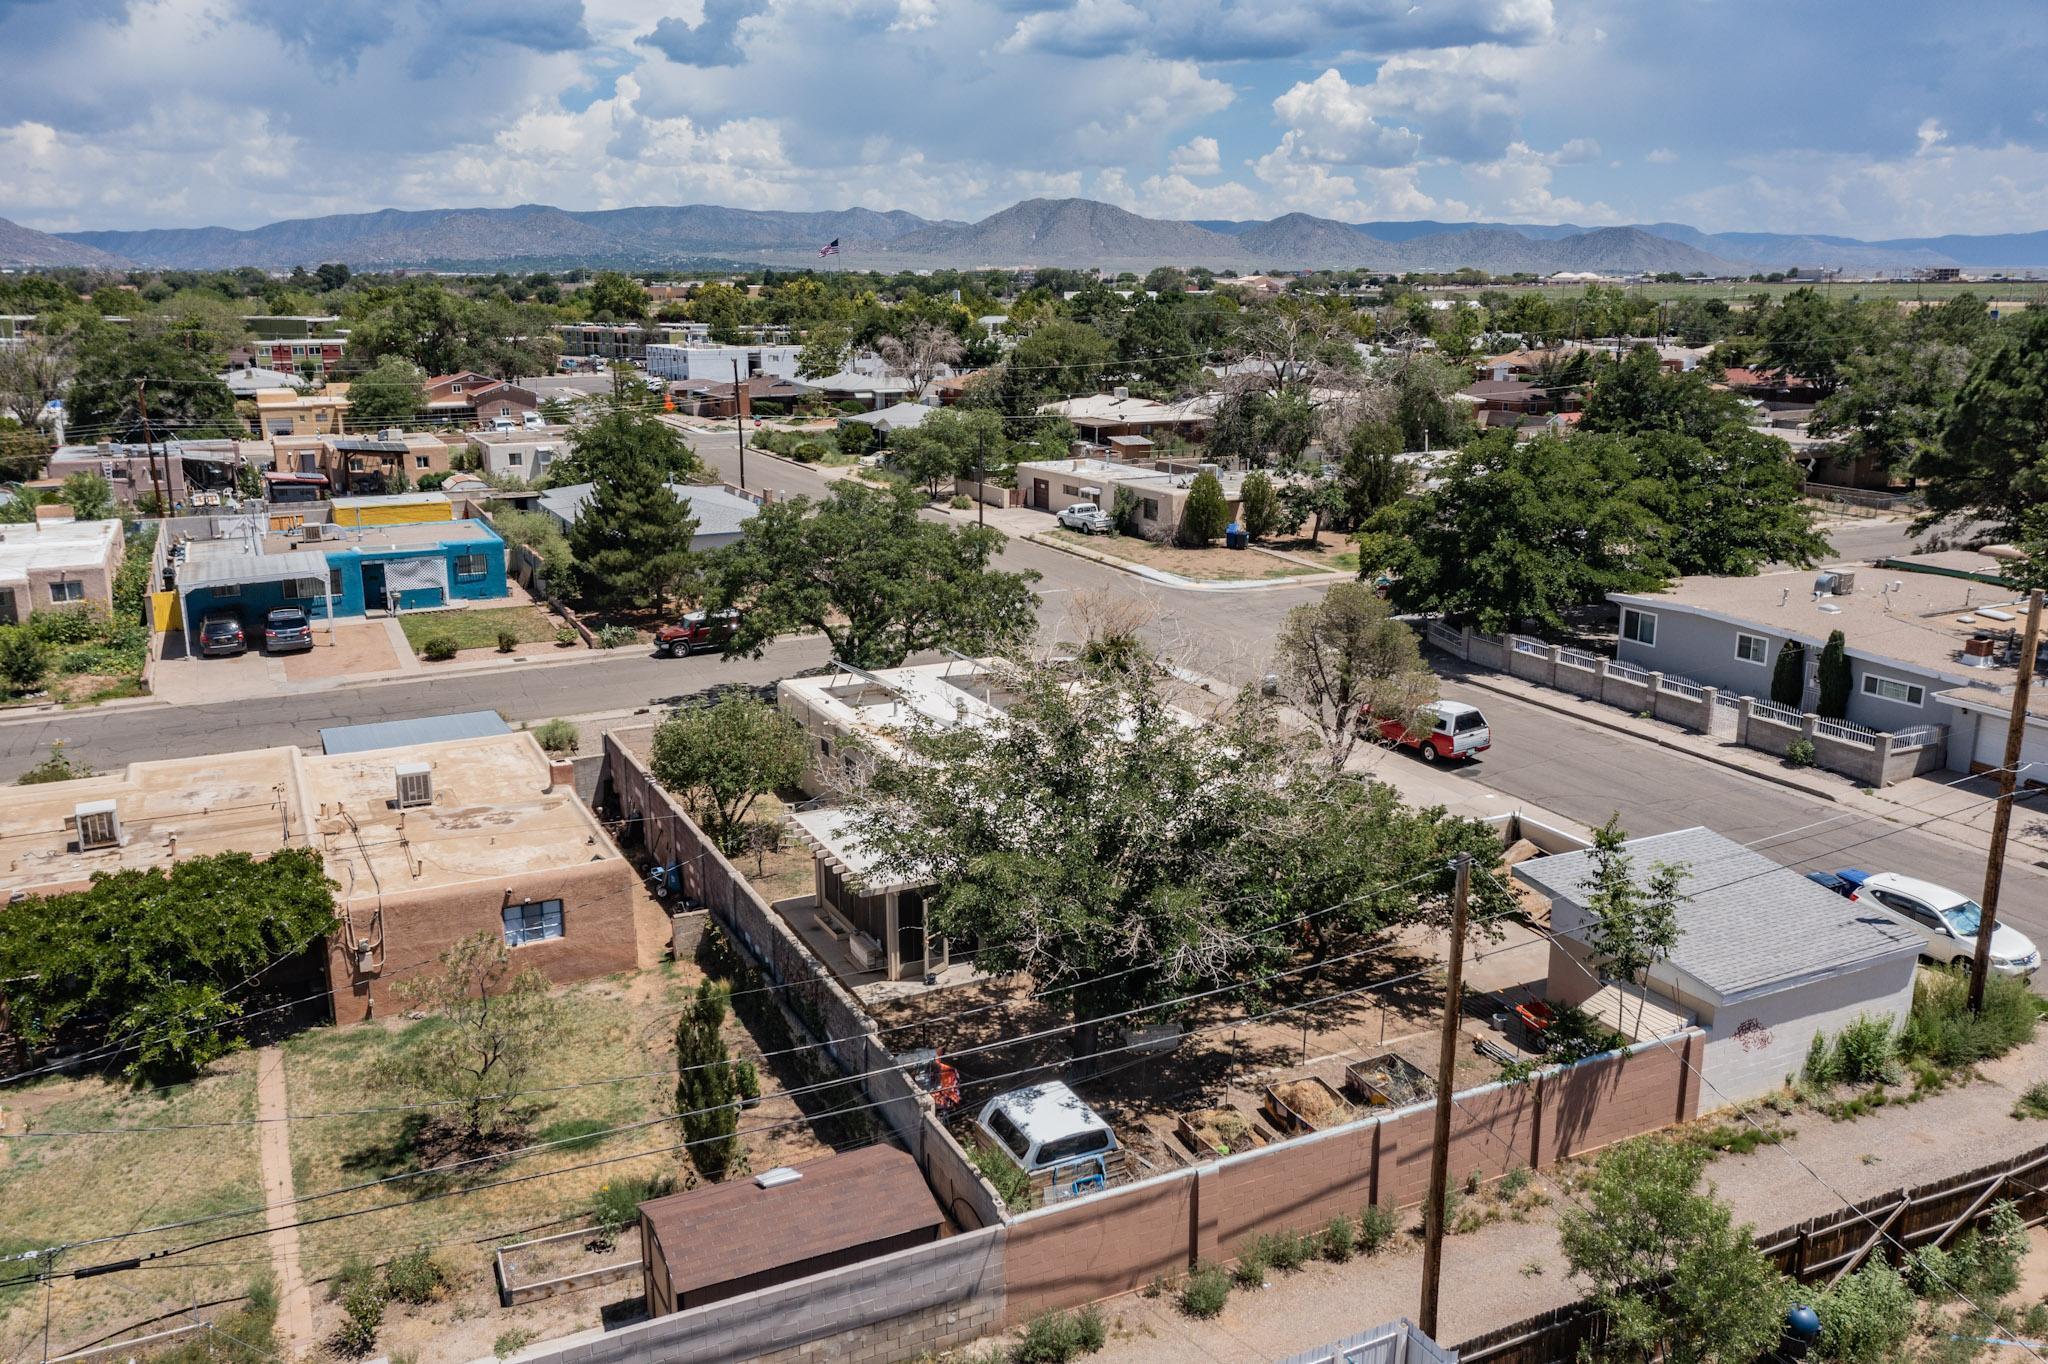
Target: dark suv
[(220, 632), (286, 628)]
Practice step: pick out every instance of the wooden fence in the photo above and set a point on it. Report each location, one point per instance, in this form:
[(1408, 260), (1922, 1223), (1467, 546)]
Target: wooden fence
[(1820, 1250)]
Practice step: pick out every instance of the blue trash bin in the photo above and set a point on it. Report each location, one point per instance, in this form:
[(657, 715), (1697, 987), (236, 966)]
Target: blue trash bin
[(1234, 536)]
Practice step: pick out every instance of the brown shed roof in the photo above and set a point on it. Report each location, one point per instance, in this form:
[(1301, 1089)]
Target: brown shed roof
[(722, 1232)]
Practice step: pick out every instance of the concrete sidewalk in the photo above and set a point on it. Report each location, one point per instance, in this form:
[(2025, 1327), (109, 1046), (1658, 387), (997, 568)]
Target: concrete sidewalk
[(1945, 803)]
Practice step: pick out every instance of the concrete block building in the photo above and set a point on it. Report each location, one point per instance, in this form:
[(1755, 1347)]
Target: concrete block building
[(51, 564)]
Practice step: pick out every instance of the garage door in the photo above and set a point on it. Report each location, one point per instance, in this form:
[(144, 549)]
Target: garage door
[(1989, 752)]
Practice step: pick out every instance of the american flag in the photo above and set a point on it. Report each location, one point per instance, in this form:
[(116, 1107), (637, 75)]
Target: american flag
[(830, 248)]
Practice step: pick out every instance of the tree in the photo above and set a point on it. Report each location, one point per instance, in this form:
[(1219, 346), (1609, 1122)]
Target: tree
[(1104, 843), (925, 350), (1811, 337), (631, 540), (824, 352), (879, 582), (1312, 500), (1729, 505), (1678, 1279), (24, 662), (154, 960), (184, 393), (1259, 506), (1205, 513), (1347, 663), (950, 442), (614, 297), (1519, 531), (1639, 394), (1833, 675), (1371, 474), (1788, 675), (487, 1025), (36, 369), (1057, 359), (391, 392), (90, 497), (719, 759), (1634, 924), (1992, 460), (708, 1086)]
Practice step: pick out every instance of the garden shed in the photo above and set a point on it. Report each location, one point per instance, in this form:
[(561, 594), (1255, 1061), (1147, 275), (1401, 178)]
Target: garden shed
[(1765, 958), (722, 1240)]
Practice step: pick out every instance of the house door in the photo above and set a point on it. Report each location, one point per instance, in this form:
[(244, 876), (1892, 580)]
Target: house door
[(375, 598), (1041, 494), (7, 613)]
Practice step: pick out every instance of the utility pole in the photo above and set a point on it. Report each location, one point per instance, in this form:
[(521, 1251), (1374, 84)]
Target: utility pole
[(738, 424), (149, 446), (980, 481), (1440, 1145), (2001, 815)]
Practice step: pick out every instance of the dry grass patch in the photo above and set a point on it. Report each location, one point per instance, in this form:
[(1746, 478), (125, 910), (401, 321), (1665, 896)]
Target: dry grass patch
[(1210, 564)]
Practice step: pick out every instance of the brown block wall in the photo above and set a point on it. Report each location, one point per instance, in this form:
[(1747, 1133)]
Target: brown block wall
[(1298, 1184), (1095, 1247), (1588, 1106)]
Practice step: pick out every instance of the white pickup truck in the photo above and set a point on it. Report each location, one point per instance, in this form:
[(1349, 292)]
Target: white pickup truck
[(1087, 518)]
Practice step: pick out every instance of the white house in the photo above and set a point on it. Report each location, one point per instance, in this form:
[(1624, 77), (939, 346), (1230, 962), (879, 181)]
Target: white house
[(1765, 958), (721, 515), (714, 364)]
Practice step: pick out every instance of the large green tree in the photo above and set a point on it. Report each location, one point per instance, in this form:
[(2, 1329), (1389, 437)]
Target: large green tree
[(719, 759), (1729, 505), (631, 540), (1992, 460), (1639, 394), (951, 442), (877, 580), (613, 297), (183, 395), (391, 392)]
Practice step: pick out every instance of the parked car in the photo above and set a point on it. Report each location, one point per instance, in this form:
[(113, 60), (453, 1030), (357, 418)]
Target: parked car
[(1447, 730), (1087, 518), (503, 424), (694, 632), (285, 629), (1843, 882), (220, 635), (1046, 1127), (1948, 921)]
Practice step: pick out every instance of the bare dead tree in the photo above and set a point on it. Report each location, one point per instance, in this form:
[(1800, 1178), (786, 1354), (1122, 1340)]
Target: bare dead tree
[(923, 351)]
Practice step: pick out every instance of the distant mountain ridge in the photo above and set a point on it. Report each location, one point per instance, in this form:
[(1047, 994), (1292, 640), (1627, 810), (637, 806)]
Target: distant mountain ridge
[(1068, 232)]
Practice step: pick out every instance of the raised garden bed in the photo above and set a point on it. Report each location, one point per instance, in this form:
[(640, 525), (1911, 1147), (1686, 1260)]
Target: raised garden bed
[(1218, 1132), (1390, 1079), (1304, 1105)]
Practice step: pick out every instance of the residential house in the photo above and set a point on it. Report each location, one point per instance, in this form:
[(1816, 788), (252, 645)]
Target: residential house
[(715, 399), (1160, 487), (54, 562), (248, 381), (290, 412), (1761, 985), (370, 464), (721, 512), (182, 472), (1099, 416), (428, 842), (519, 454), (1514, 402), (612, 342), (872, 391), (713, 364), (895, 417), (1931, 640), (468, 397)]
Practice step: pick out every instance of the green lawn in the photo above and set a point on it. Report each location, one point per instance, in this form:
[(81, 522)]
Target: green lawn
[(479, 629)]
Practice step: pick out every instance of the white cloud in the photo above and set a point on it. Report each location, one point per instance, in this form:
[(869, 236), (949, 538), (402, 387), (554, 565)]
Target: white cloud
[(1332, 120), (913, 15), (1197, 156), (1517, 184), (1091, 28), (1662, 156), (1942, 188)]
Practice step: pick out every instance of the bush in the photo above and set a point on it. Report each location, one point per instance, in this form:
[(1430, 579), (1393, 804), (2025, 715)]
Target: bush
[(1799, 753), (1057, 1337), (1978, 1266), (2033, 1103), (1375, 1229), (961, 502), (1286, 1251), (1942, 1029), (616, 636), (438, 648), (1250, 1269), (70, 625), (1338, 1240), (59, 766), (1205, 512), (362, 1308), (1205, 1292), (1867, 1317), (566, 636), (415, 1277), (513, 1341), (1011, 1183), (1819, 1068), (1866, 1053), (507, 641), (23, 660), (556, 736), (616, 1204)]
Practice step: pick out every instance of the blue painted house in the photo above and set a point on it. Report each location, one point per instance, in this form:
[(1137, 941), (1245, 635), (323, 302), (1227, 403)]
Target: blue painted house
[(348, 572)]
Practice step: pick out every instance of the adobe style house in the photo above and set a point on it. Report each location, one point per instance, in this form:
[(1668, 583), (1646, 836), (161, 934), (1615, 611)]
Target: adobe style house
[(49, 564)]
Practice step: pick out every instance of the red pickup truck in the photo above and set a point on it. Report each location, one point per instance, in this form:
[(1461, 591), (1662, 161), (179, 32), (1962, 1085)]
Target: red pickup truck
[(1446, 730), (696, 631)]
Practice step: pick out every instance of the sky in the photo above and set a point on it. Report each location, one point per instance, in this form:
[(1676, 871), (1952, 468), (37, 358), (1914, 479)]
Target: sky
[(1871, 119)]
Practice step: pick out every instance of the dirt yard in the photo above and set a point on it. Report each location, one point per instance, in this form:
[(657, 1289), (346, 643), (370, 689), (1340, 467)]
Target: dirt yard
[(355, 649), (1208, 565)]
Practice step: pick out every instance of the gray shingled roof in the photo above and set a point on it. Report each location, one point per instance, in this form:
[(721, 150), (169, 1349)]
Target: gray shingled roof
[(718, 512), (1748, 926)]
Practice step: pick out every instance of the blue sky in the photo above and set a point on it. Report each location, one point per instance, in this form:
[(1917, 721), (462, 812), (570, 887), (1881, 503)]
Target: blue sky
[(1868, 119)]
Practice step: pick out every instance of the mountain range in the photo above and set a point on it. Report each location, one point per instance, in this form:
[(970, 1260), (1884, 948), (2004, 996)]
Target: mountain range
[(1066, 232)]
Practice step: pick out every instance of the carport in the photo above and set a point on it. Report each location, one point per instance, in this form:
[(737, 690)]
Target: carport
[(208, 582)]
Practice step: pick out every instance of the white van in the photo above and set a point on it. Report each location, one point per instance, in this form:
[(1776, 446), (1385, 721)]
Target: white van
[(1045, 1128)]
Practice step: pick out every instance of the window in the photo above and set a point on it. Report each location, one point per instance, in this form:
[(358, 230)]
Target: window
[(227, 591), (469, 567), (1912, 909), (1069, 1147), (535, 921), (1639, 627), (334, 587), (515, 458), (1008, 1133), (1891, 689), (68, 591), (1151, 506), (1752, 648), (1070, 490), (422, 461)]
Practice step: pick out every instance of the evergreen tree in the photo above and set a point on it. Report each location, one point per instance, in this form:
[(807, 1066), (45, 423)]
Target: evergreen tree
[(708, 1086), (1834, 678), (1261, 513), (1206, 513), (1788, 678), (631, 541)]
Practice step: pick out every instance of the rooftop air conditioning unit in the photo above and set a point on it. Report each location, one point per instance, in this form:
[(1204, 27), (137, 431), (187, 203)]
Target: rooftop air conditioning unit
[(1835, 582), (99, 825), (415, 785)]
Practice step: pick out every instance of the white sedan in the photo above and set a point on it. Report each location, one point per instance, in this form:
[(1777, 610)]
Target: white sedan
[(1948, 921)]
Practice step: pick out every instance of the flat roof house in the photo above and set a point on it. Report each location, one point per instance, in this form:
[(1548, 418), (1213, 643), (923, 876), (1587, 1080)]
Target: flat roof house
[(290, 412), (428, 843), (1765, 959), (722, 515), (519, 454), (715, 363), (49, 564), (1162, 493), (1098, 416), (1931, 640)]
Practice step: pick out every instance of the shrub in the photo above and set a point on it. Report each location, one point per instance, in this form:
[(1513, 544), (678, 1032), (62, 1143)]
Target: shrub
[(961, 502), (1205, 513), (1819, 1068), (59, 766), (1942, 1029), (1375, 1229), (1866, 1053), (1979, 1265), (1009, 1179), (70, 625), (1205, 1292), (2034, 1102), (616, 636), (355, 1273), (1799, 753), (1057, 1337), (507, 641), (1514, 1181), (438, 648), (1287, 1251), (556, 736), (1867, 1317), (362, 1308), (1250, 1269), (616, 1204), (513, 1341), (415, 1277), (1338, 1240), (23, 660)]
